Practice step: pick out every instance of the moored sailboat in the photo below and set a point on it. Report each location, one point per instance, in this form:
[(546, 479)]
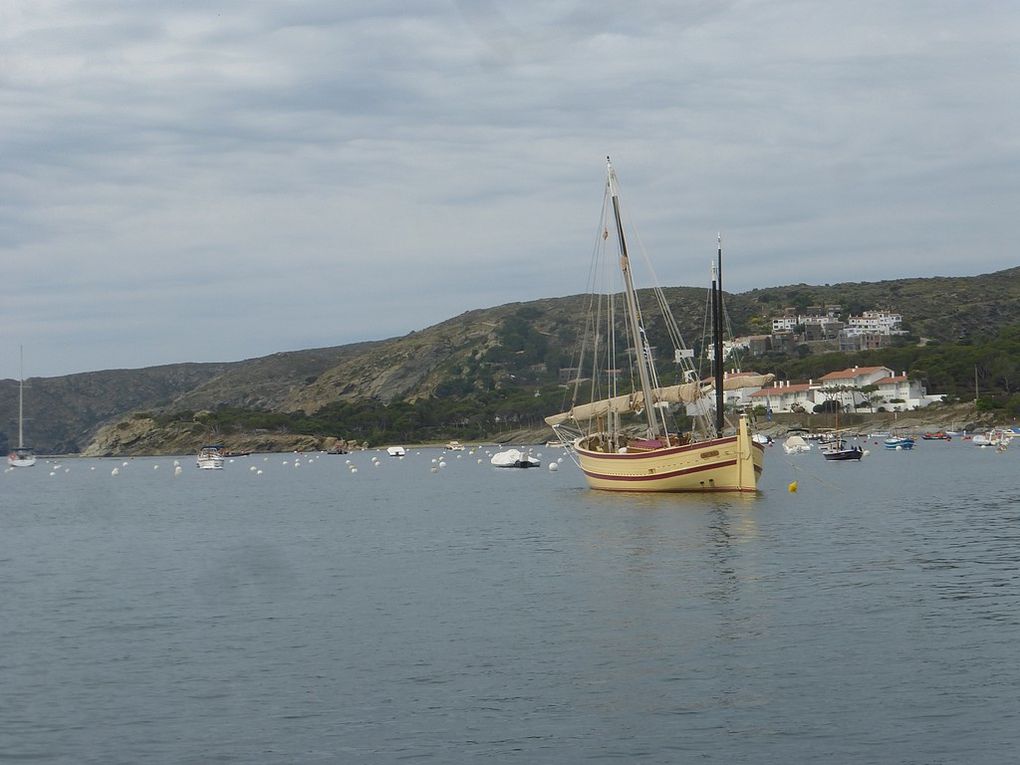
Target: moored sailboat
[(836, 449), (21, 456), (618, 455), (839, 451)]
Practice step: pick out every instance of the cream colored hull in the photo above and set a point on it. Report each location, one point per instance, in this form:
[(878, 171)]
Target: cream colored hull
[(733, 463)]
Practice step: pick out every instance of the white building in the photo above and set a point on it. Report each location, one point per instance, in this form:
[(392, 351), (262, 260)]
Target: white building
[(741, 397), (845, 385), (900, 394), (786, 397), (891, 392), (733, 398), (729, 347), (877, 322)]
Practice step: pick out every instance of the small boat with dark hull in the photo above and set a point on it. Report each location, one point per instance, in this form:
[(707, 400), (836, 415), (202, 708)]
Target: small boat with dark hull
[(838, 451)]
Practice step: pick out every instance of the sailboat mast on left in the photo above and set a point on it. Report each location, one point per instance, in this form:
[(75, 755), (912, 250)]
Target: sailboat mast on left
[(22, 456)]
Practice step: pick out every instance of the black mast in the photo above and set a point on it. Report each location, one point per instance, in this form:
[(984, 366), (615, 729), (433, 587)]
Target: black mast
[(717, 329)]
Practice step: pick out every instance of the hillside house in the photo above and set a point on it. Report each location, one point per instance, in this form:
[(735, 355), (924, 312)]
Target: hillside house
[(862, 341), (878, 322), (751, 345), (900, 394), (786, 397), (736, 398), (845, 385), (759, 345), (821, 328), (740, 398)]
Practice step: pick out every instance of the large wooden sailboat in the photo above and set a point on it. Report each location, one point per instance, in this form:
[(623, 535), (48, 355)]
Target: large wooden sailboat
[(615, 452)]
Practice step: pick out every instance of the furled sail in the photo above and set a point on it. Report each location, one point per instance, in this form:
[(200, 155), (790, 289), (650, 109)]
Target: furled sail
[(742, 380), (674, 394)]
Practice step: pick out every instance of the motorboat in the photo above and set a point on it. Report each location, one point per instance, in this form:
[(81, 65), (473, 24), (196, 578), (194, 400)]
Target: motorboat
[(210, 457), (899, 442), (796, 445)]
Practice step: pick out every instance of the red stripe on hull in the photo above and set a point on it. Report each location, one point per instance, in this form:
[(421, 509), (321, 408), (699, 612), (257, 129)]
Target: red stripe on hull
[(661, 476), (667, 451)]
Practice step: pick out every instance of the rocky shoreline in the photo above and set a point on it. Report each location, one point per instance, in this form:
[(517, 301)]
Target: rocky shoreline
[(942, 417), (143, 436)]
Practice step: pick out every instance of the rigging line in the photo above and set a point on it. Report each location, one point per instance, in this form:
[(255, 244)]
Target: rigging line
[(672, 327), (589, 331), (642, 345), (705, 334)]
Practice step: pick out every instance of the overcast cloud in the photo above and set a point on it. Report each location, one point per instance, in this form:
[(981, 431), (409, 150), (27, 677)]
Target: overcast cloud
[(195, 181)]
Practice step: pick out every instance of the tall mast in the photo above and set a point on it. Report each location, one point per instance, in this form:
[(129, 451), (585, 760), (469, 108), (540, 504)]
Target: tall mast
[(717, 325), (21, 397), (636, 333)]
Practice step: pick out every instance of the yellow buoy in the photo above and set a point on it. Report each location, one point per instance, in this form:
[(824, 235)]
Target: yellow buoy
[(792, 487)]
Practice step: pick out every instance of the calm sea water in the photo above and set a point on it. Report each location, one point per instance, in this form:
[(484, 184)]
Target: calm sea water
[(311, 614)]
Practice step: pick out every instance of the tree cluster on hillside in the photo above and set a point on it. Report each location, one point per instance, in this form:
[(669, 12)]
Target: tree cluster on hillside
[(472, 408), (473, 416)]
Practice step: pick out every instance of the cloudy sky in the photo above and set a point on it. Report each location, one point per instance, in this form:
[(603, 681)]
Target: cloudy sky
[(187, 180)]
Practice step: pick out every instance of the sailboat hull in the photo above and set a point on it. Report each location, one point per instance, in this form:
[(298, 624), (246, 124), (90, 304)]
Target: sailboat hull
[(722, 464)]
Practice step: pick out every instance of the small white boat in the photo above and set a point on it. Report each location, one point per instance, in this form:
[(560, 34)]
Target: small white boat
[(22, 456), (396, 451), (210, 457), (796, 445), (514, 458), (455, 446), (993, 438)]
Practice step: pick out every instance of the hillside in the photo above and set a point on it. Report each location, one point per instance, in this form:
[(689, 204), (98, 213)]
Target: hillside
[(503, 360), (62, 413), (943, 308)]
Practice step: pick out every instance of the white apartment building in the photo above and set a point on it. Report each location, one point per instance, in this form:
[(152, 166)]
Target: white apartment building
[(876, 322), (736, 398), (892, 392), (908, 394), (844, 385), (786, 397)]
